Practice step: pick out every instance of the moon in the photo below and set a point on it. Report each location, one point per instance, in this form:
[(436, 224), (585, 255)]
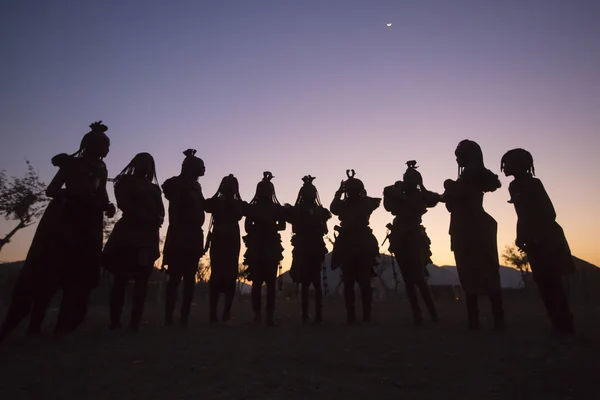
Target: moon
[(388, 24)]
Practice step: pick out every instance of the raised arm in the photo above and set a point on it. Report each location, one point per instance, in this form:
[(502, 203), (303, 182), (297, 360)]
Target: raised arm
[(337, 204)]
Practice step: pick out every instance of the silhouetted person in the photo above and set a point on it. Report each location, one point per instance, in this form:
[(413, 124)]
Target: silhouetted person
[(65, 251), (264, 220), (309, 223), (184, 245), (473, 232), (409, 242), (540, 237), (132, 247), (227, 209), (355, 250)]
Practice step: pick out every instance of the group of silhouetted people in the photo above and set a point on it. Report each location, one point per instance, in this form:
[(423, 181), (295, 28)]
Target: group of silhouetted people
[(67, 251)]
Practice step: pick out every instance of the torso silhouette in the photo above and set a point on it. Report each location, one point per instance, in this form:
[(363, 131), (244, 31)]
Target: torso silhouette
[(408, 207), (534, 208), (537, 229), (85, 199), (355, 246), (263, 218), (85, 186), (226, 214), (354, 214), (473, 232), (408, 238), (308, 220), (185, 238), (264, 251), (464, 200), (225, 239), (138, 229), (309, 224)]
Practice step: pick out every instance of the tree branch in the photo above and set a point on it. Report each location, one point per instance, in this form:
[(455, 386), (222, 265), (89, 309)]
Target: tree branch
[(10, 234)]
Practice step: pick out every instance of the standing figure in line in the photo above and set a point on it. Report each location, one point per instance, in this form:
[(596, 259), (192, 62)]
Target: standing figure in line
[(540, 237), (355, 250), (409, 242), (309, 223), (264, 219), (133, 245), (184, 245), (66, 249), (473, 232), (227, 209)]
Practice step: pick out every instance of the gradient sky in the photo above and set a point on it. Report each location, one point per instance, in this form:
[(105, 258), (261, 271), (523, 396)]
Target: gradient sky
[(315, 87)]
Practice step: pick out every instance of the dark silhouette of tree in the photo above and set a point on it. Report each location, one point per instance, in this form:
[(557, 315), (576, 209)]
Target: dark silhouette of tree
[(243, 272), (22, 200), (109, 224), (203, 271), (517, 259)]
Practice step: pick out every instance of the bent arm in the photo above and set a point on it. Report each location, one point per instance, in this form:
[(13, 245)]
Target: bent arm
[(55, 189)]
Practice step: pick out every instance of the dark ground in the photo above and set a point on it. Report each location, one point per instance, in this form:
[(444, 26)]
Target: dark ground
[(387, 359)]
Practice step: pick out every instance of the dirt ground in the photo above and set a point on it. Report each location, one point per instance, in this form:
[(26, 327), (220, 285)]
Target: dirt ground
[(388, 358)]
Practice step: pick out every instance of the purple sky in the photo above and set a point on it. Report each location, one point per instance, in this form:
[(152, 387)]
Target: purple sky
[(313, 87)]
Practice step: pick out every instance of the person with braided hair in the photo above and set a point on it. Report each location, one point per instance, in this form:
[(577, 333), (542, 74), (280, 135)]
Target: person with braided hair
[(408, 200), (264, 219), (67, 246), (540, 237), (355, 250), (133, 245), (184, 245), (309, 223), (227, 209), (473, 232)]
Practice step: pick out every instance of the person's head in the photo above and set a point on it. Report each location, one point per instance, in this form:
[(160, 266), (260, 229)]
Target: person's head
[(353, 187), (229, 187), (192, 165), (308, 192), (412, 177), (468, 153), (141, 165), (95, 143), (517, 162), (265, 191)]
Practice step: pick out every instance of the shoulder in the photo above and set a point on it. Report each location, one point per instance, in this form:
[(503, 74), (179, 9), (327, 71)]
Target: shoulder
[(171, 185), (373, 201), (325, 213), (63, 160)]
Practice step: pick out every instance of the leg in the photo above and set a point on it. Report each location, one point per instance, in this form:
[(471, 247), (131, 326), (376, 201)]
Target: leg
[(555, 300), (427, 297), (81, 306), (229, 295), (73, 308), (472, 311), (117, 299), (140, 290), (366, 293), (304, 295), (189, 284), (349, 296), (318, 298), (498, 311), (40, 306), (408, 276), (213, 301), (271, 288), (256, 300), (20, 307), (171, 297)]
